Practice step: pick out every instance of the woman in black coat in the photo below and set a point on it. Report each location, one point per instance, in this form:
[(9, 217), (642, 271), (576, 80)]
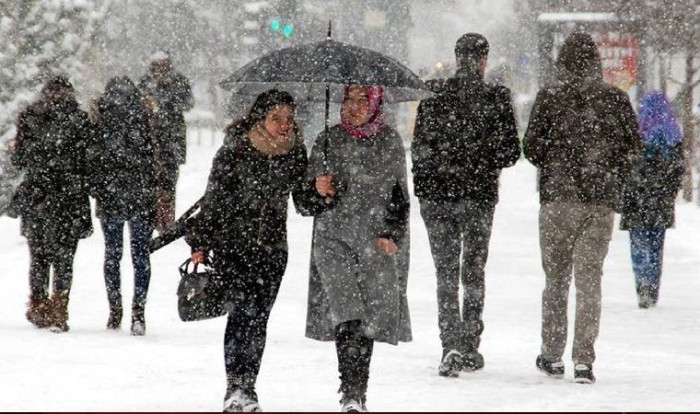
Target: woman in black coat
[(124, 186), (243, 223), (52, 201), (649, 196)]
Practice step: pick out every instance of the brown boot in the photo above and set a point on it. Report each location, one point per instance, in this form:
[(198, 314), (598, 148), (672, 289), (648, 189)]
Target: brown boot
[(40, 312), (60, 313)]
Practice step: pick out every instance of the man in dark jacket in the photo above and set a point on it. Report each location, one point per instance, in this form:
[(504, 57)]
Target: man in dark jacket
[(168, 95), (582, 137), (52, 201), (463, 137)]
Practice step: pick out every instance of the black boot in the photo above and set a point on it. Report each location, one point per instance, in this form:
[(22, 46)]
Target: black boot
[(354, 356), (644, 298), (115, 313), (138, 319), (472, 360)]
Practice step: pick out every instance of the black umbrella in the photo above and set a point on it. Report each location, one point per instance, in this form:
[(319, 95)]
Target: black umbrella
[(317, 72), (306, 70)]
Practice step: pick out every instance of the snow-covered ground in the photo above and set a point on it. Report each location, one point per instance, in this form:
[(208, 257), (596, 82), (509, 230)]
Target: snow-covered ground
[(648, 360)]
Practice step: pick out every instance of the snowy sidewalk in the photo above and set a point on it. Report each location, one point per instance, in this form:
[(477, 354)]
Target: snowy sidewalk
[(648, 360)]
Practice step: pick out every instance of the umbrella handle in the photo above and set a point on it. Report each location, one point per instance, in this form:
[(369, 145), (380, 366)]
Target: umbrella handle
[(326, 128), (328, 100)]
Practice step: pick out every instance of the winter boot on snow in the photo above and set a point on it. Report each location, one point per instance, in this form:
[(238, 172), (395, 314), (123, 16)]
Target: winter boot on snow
[(138, 319), (40, 312), (60, 313), (354, 356), (472, 360), (452, 362), (644, 297), (115, 314)]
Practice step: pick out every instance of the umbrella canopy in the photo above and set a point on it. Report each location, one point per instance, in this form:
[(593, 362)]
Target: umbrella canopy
[(307, 70)]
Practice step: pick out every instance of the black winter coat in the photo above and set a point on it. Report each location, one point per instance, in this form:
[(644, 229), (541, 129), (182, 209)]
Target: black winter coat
[(124, 181), (583, 137), (173, 96), (649, 195), (246, 200), (463, 137), (51, 144)]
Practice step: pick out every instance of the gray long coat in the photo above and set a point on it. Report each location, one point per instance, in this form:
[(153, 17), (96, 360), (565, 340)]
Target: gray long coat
[(350, 278)]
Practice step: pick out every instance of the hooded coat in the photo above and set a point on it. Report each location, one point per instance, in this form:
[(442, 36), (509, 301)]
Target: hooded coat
[(173, 95), (124, 178), (650, 193), (582, 133), (51, 143), (350, 278)]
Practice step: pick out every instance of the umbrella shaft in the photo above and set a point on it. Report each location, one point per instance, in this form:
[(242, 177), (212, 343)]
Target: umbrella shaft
[(326, 128)]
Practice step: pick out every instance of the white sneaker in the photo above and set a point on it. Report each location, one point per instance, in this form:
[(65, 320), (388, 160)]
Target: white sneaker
[(240, 402), (234, 403), (252, 406), (351, 406)]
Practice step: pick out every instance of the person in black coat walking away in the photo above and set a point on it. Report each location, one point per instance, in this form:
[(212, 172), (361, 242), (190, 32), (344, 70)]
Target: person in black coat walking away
[(53, 199), (583, 138), (242, 221), (168, 94), (124, 185), (649, 197), (463, 137)]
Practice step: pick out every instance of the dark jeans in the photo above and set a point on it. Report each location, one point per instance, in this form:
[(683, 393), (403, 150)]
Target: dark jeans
[(43, 255), (255, 280), (647, 249), (459, 234), (140, 229), (354, 356)]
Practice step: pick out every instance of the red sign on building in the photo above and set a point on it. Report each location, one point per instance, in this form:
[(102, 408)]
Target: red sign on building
[(619, 52)]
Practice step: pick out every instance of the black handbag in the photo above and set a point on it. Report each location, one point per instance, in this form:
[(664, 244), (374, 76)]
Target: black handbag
[(201, 293)]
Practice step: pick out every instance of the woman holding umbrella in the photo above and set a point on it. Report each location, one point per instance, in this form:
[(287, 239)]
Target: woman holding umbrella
[(242, 221), (359, 258)]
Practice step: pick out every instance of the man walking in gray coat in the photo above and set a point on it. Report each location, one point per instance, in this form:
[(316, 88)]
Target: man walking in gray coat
[(463, 137), (582, 137)]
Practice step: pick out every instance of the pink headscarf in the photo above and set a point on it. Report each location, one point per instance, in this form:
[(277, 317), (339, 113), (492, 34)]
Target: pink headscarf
[(375, 123)]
